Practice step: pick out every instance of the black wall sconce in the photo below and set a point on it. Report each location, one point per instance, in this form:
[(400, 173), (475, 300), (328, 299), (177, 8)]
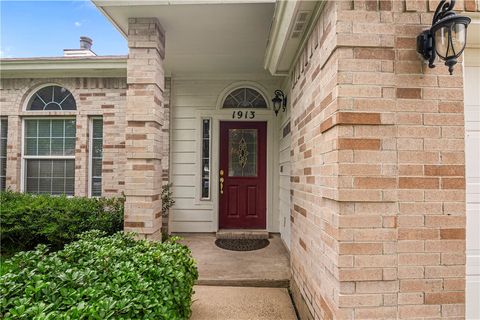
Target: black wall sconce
[(280, 100), (446, 38)]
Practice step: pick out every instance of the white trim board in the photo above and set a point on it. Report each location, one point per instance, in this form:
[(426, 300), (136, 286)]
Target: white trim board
[(472, 175)]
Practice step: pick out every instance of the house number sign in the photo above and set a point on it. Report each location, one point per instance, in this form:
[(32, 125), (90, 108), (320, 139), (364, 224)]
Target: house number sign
[(239, 114)]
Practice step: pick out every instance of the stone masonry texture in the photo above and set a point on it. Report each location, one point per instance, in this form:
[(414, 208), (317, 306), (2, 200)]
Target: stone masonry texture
[(378, 168)]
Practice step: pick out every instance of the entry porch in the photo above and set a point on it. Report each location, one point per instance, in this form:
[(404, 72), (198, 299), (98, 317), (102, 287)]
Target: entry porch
[(267, 267), (240, 284)]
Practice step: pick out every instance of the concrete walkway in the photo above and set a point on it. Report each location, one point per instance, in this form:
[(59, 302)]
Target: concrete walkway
[(235, 285), (241, 303)]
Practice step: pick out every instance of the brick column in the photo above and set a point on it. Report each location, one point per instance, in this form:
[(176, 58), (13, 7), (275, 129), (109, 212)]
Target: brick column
[(378, 176), (144, 137)]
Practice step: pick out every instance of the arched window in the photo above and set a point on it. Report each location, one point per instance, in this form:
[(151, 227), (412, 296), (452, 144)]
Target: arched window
[(245, 98), (52, 98), (49, 143)]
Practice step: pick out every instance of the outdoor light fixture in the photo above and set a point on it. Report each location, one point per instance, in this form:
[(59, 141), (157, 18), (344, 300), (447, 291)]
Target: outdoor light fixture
[(280, 100), (446, 38)]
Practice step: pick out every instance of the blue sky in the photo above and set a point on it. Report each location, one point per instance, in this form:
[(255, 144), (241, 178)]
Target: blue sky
[(45, 28)]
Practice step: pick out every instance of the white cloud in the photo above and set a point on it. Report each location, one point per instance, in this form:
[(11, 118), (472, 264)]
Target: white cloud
[(78, 24), (6, 53), (84, 4)]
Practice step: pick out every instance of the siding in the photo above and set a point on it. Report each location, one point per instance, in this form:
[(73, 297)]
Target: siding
[(192, 99)]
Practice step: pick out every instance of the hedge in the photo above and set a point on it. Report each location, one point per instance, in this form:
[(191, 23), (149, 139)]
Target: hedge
[(100, 277), (28, 220)]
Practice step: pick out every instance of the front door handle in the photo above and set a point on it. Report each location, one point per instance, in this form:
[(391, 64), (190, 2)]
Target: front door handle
[(222, 180)]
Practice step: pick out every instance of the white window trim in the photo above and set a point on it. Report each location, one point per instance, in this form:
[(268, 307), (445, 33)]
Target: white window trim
[(5, 118), (209, 198), (35, 90), (90, 154), (23, 184), (243, 84)]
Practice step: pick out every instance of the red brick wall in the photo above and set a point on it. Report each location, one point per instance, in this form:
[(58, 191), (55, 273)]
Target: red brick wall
[(378, 199)]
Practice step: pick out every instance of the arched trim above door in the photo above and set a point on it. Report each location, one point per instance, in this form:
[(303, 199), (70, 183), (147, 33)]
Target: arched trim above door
[(243, 94)]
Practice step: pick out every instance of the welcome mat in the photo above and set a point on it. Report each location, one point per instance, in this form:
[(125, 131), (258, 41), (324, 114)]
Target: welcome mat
[(242, 244)]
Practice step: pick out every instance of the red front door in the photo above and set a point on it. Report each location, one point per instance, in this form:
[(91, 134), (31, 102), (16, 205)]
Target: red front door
[(243, 175)]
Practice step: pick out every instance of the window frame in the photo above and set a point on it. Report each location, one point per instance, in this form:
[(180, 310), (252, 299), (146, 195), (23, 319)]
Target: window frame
[(258, 92), (5, 118), (209, 198), (23, 184), (90, 155), (244, 84), (35, 90)]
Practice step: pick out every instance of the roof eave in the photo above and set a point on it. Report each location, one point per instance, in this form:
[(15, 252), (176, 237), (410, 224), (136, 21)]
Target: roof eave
[(282, 50), (112, 66)]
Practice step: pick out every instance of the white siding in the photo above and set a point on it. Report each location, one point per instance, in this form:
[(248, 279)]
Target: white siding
[(190, 101), (472, 157)]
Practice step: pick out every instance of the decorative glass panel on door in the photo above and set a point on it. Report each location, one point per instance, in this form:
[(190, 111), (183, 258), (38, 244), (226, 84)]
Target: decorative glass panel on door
[(242, 148)]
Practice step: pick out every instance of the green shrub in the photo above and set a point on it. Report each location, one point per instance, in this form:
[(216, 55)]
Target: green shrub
[(28, 220), (100, 277), (167, 198)]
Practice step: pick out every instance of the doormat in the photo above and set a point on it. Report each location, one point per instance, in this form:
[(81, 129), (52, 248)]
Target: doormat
[(242, 244)]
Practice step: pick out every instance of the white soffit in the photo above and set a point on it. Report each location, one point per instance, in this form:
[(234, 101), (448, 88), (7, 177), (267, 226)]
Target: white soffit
[(204, 36), (290, 28)]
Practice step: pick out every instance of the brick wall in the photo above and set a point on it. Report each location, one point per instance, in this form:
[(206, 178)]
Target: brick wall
[(94, 97), (104, 97), (378, 199)]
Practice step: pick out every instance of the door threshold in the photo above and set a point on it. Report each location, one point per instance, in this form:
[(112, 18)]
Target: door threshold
[(242, 234)]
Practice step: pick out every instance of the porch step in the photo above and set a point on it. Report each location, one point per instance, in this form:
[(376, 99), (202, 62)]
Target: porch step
[(265, 283), (242, 234)]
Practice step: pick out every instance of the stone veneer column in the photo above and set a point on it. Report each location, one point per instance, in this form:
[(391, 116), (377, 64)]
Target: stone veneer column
[(144, 137)]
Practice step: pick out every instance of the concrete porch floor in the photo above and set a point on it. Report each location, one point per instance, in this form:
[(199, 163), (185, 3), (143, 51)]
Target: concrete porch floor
[(267, 267)]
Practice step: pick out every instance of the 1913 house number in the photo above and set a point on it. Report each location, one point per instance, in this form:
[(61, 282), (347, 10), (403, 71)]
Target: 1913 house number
[(243, 114)]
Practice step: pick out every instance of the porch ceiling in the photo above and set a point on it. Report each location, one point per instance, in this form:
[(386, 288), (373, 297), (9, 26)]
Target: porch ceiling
[(204, 37)]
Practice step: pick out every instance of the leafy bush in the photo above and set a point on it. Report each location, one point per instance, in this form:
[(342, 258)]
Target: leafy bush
[(28, 220), (100, 277), (167, 198)]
